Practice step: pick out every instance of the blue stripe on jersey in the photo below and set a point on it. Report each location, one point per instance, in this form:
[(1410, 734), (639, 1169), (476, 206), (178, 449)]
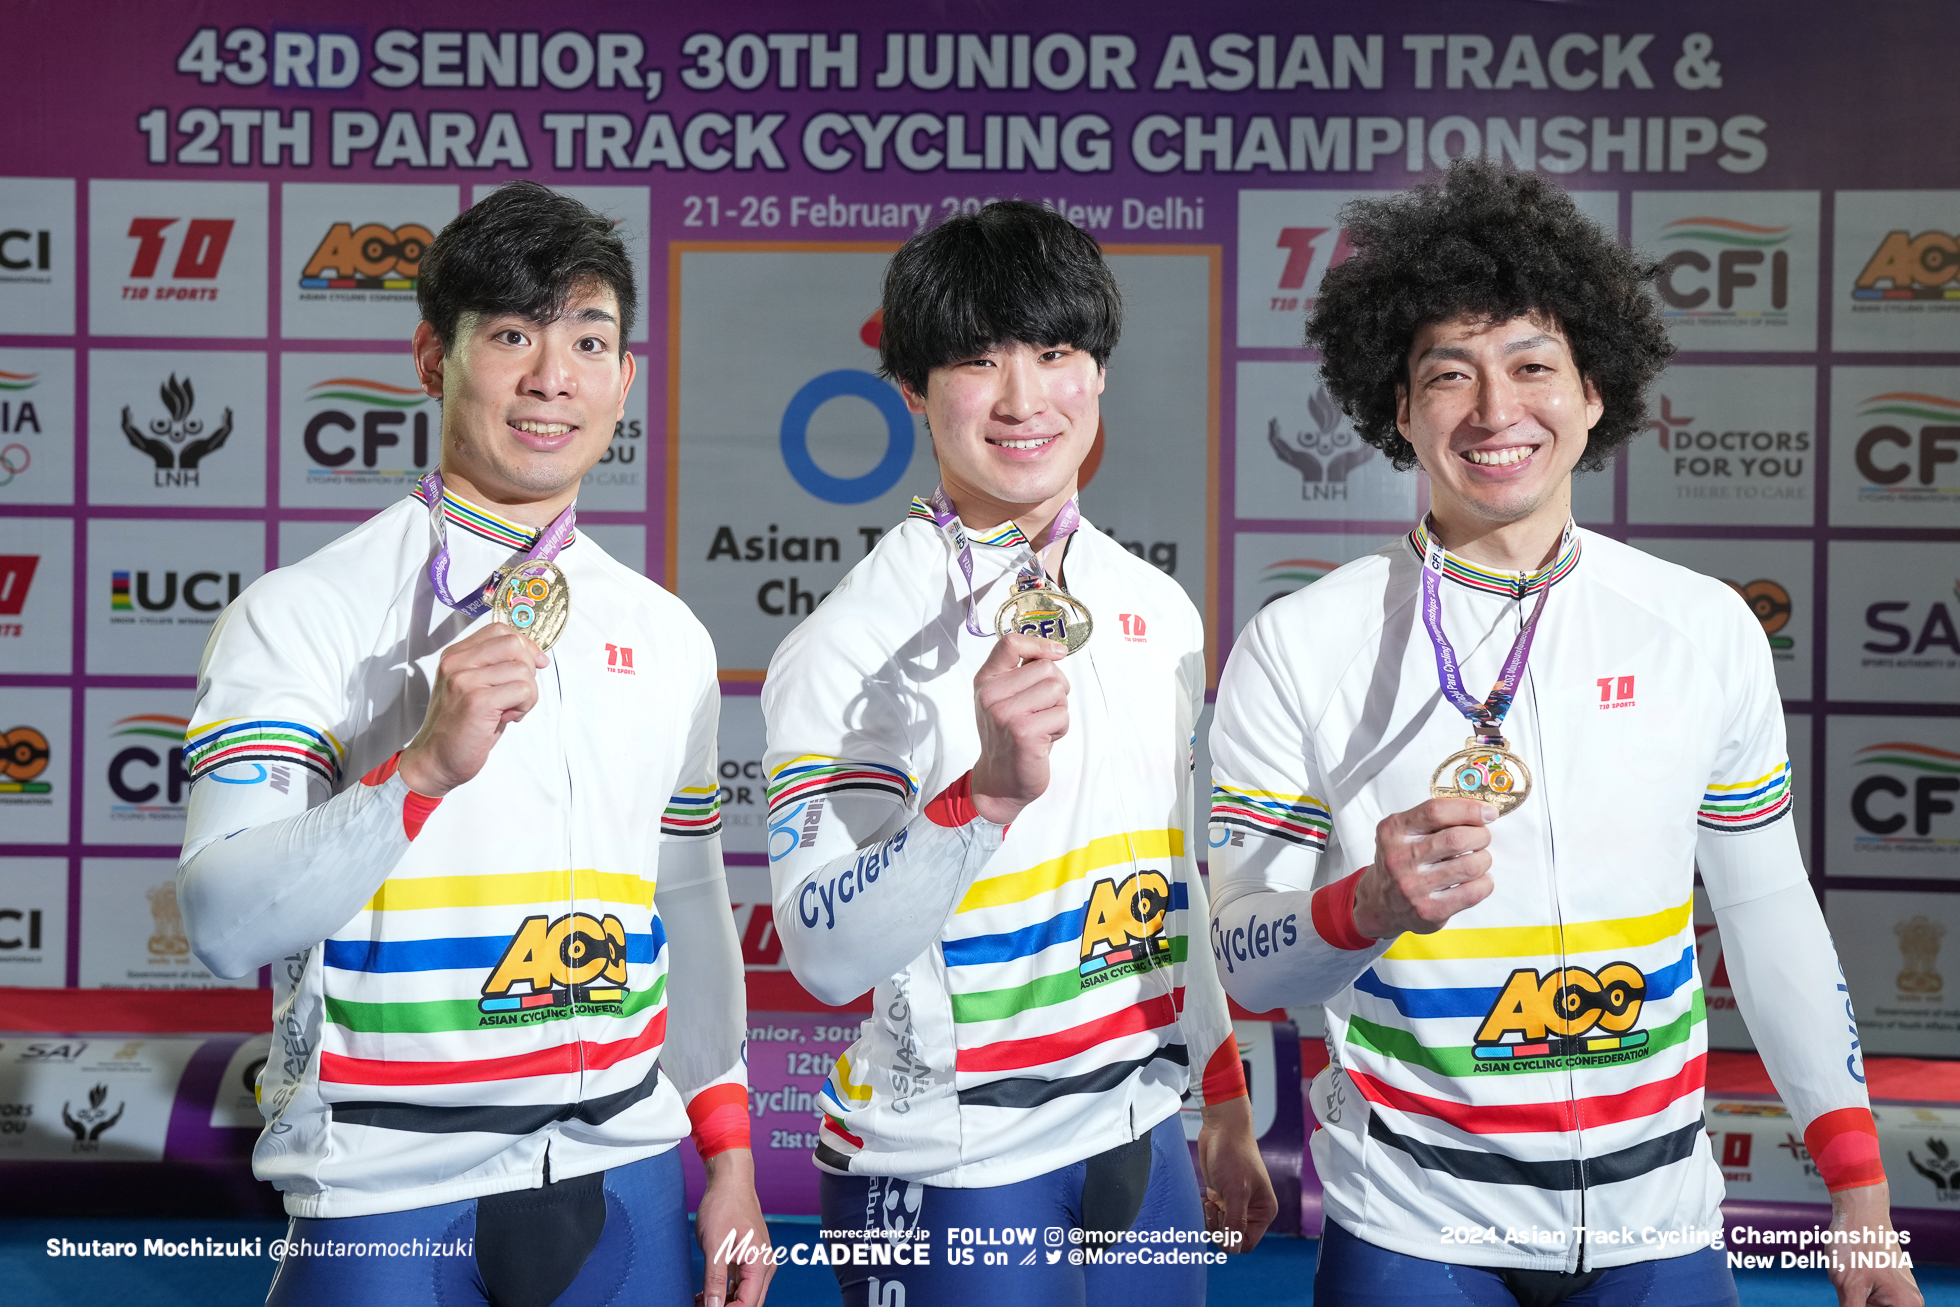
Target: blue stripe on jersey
[(464, 953), (1062, 928), (1438, 1004)]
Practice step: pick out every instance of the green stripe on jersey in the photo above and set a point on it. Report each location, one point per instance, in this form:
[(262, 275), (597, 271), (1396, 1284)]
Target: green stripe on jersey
[(445, 1014), (1043, 991), (1459, 1061)]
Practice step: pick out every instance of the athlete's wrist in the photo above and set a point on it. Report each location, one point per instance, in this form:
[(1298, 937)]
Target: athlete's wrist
[(420, 773)]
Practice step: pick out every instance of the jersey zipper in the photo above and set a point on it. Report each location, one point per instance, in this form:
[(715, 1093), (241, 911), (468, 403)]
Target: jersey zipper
[(571, 864)]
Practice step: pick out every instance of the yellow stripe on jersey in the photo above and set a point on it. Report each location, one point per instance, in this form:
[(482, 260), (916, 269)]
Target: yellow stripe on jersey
[(1017, 886), (1541, 941), (841, 1081), (519, 887)]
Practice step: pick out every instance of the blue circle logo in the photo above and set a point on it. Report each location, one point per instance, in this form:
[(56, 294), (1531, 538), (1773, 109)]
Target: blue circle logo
[(796, 437)]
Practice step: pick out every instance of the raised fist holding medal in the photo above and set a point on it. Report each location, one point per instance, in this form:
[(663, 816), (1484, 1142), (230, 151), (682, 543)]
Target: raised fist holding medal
[(1498, 415)]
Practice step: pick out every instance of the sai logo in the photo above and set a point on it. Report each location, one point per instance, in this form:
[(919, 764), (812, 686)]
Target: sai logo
[(1123, 928), (1936, 631), (577, 959), (141, 793), (1739, 256), (1908, 267), (383, 408), (371, 257), (1289, 574), (1770, 602), (1936, 443), (1935, 777), (1325, 455), (23, 759), (176, 443), (1554, 1014)]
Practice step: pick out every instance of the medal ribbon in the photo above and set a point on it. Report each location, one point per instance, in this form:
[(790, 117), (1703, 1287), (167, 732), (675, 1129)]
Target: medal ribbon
[(1486, 718), (546, 547), (947, 518)]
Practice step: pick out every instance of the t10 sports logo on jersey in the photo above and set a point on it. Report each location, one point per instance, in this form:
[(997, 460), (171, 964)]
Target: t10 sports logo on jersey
[(368, 257), (1123, 928), (1552, 1018), (550, 969)]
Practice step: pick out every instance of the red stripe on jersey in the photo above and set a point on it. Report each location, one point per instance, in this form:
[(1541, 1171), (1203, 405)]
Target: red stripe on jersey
[(1224, 1077), (565, 1059), (1013, 1054), (1844, 1144), (1333, 915), (415, 808), (1541, 1118), (954, 806), (720, 1117)]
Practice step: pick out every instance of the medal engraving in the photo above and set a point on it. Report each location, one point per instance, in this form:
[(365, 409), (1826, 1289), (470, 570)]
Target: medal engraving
[(535, 599), (1485, 770), (1047, 611)]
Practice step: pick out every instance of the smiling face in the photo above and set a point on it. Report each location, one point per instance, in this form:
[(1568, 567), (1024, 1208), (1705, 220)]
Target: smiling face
[(1010, 428), (528, 408), (1498, 415)]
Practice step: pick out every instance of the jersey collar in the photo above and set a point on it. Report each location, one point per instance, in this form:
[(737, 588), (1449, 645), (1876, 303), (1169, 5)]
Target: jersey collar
[(1512, 585), (481, 522), (1004, 536)]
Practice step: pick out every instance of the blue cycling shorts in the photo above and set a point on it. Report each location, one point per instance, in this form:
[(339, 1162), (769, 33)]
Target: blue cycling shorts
[(620, 1236), (1024, 1245), (1355, 1273)]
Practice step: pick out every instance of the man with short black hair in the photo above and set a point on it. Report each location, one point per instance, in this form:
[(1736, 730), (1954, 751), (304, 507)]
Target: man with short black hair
[(1513, 1112), (427, 793), (997, 843)]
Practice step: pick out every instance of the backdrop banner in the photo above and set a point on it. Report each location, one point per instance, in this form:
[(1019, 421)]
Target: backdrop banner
[(212, 219)]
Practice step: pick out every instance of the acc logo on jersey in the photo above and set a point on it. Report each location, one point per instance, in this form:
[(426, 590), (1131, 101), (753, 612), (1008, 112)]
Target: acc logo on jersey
[(1123, 928), (1554, 1014), (554, 964)]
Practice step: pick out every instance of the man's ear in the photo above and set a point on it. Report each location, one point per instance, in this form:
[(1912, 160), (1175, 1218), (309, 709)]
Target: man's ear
[(913, 399), (1595, 405), (429, 359), (1402, 408)]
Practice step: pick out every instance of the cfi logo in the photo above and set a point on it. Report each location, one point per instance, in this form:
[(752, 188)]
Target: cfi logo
[(176, 443), (383, 409), (1935, 444), (1740, 249), (90, 1123), (1123, 928), (1908, 267), (1289, 574), (24, 757), (1770, 602), (578, 959), (1708, 453), (370, 257), (133, 787), (1935, 776), (16, 577), (1553, 1016), (1325, 455)]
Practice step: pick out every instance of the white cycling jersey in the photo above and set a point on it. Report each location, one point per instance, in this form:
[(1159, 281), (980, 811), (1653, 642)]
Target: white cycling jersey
[(1032, 1002), (469, 991), (1537, 1064)]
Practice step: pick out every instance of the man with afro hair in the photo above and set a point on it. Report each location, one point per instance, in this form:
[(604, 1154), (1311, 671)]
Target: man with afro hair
[(1513, 1110)]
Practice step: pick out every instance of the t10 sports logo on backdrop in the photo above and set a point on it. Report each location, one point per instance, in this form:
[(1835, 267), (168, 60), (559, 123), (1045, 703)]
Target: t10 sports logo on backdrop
[(177, 258)]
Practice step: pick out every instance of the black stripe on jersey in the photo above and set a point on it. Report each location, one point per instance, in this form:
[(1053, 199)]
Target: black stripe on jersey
[(1271, 832), (1492, 1168), (516, 1120), (1026, 1091), (830, 1157), (1721, 829)]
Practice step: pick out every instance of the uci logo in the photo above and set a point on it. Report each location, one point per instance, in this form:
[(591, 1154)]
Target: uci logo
[(577, 958), (1565, 1002), (1123, 928)]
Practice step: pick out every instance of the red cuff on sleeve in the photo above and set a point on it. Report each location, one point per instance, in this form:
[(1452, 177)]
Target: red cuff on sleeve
[(954, 806), (720, 1116), (1844, 1145), (1224, 1077), (1333, 915), (415, 808)]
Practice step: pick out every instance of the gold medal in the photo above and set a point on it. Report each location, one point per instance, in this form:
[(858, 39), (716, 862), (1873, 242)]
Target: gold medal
[(1484, 770), (1047, 611), (535, 599)]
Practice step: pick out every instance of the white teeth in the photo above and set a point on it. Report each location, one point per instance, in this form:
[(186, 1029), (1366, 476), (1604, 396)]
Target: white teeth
[(1498, 457), (1024, 444), (543, 428)]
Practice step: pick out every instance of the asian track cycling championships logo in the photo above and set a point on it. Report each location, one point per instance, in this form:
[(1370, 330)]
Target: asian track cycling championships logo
[(1909, 267), (1896, 809), (1553, 1017), (551, 969), (1914, 458), (370, 257), (1741, 288)]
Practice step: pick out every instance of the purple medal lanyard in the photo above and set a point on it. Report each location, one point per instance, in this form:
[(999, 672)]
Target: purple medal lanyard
[(550, 542), (947, 518), (1486, 718)]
